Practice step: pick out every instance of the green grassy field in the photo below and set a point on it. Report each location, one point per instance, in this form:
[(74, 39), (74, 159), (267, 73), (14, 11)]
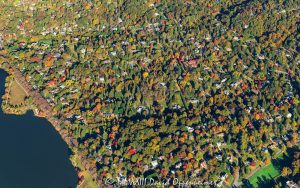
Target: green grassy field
[(267, 172)]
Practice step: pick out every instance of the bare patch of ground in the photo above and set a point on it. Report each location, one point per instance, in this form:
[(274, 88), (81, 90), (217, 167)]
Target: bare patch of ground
[(17, 94)]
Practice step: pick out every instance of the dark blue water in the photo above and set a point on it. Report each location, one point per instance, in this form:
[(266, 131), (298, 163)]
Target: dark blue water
[(32, 153)]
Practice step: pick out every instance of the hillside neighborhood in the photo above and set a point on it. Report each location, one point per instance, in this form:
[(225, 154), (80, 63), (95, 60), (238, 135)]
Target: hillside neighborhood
[(157, 89)]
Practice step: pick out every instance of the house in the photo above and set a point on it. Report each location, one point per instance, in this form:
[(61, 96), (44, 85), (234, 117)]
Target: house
[(220, 134), (291, 184), (176, 107), (250, 125), (285, 138), (255, 91), (261, 57), (219, 183), (219, 144), (203, 164), (276, 140), (108, 115), (52, 83), (193, 63), (228, 49), (264, 149), (108, 147), (271, 120), (208, 37), (218, 86), (145, 167), (194, 101), (224, 80), (178, 165), (196, 172), (223, 176), (219, 157), (139, 109), (154, 163), (191, 137), (226, 92), (250, 162), (236, 38), (253, 164), (162, 84), (190, 129), (132, 151), (102, 79), (20, 27)]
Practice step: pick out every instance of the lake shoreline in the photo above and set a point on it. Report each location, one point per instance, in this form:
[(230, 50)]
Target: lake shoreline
[(40, 108), (30, 147)]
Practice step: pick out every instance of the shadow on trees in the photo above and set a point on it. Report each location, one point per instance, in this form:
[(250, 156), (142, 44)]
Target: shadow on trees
[(246, 184), (286, 160), (265, 181)]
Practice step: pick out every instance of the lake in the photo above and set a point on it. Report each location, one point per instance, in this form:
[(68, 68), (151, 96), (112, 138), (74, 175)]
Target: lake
[(32, 153)]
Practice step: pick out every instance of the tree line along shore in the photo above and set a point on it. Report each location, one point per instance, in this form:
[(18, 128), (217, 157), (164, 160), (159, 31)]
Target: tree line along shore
[(29, 99)]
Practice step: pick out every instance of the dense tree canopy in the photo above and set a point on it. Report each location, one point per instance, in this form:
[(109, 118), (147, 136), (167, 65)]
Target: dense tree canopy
[(164, 88)]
